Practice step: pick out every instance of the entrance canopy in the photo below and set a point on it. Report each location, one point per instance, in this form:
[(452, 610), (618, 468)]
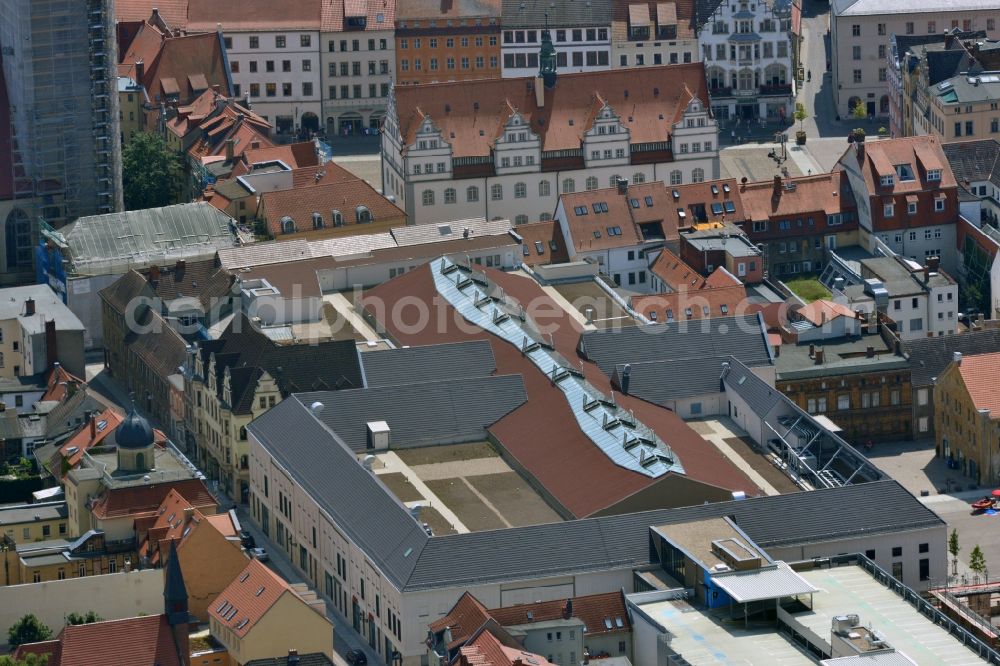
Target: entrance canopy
[(771, 582)]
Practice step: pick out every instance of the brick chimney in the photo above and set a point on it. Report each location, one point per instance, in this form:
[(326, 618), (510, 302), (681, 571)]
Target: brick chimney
[(29, 307), (140, 71), (777, 187), (230, 145), (819, 357), (93, 427), (933, 263)]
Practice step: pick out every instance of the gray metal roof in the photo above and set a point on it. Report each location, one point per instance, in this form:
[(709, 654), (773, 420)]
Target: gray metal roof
[(433, 233), (48, 306), (771, 582), (428, 363), (136, 238), (424, 414), (323, 466), (718, 337), (674, 379), (760, 396), (29, 513), (596, 544), (974, 160), (930, 356), (320, 462)]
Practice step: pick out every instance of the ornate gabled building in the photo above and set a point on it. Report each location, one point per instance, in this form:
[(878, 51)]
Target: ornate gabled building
[(232, 380), (509, 148), (748, 50)]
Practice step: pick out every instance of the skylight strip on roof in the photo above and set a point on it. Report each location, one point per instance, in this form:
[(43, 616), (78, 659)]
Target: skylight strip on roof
[(626, 441)]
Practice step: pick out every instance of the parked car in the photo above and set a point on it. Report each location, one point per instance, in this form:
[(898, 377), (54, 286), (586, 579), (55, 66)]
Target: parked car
[(356, 658), (247, 540), (258, 554)]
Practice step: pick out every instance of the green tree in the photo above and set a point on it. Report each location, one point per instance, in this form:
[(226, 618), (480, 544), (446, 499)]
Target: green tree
[(860, 112), (800, 113), (152, 174), (30, 660), (29, 629), (977, 561), (954, 549), (77, 618)]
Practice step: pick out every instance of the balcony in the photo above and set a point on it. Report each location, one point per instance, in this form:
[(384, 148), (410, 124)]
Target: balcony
[(720, 91), (779, 89)]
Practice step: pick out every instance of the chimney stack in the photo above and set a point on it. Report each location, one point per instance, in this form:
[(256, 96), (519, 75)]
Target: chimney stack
[(870, 352), (93, 427), (819, 357), (29, 307), (927, 274), (777, 186), (957, 358), (181, 265), (154, 273), (539, 92), (230, 145), (140, 71), (51, 344), (812, 350), (622, 186), (933, 263), (293, 657), (568, 609)]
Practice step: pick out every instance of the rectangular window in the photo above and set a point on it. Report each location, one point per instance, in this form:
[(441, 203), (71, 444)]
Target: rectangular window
[(925, 569), (279, 41), (857, 76), (897, 551)]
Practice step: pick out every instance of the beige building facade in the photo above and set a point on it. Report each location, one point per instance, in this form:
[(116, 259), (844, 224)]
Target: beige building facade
[(860, 32)]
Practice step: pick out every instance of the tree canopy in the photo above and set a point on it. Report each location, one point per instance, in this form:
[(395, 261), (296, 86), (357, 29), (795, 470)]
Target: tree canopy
[(29, 629), (152, 174)]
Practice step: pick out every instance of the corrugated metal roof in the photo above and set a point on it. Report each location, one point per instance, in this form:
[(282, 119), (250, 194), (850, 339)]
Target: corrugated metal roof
[(260, 254), (760, 396), (139, 238), (894, 658), (764, 583)]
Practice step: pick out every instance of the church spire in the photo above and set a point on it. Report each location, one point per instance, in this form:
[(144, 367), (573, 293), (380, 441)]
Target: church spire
[(175, 596), (547, 57)]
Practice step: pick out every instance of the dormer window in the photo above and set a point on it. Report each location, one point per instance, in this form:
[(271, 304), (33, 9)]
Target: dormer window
[(904, 171), (317, 221), (337, 218), (934, 174), (887, 181), (363, 215), (287, 225)]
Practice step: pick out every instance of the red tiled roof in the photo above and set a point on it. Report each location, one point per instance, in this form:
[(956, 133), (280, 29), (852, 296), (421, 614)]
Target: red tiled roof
[(600, 613), (204, 15), (137, 500), (324, 197), (597, 482), (196, 62), (720, 277), (435, 9), (674, 273), (979, 374), (134, 641), (174, 12), (295, 155), (334, 12), (58, 384), (464, 618), (553, 245), (487, 650), (720, 302), (819, 195), (51, 648), (248, 598), (817, 312), (85, 439), (649, 100), (599, 220)]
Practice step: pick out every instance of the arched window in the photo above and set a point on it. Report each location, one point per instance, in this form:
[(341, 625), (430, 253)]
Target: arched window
[(496, 192), (450, 195), (317, 221), (676, 178), (520, 190), (140, 461), (338, 219), (592, 183), (18, 237), (243, 433), (775, 75), (472, 193), (287, 225), (639, 177), (545, 217), (716, 77), (427, 197), (698, 175), (746, 79), (544, 189), (521, 219), (362, 215), (569, 186)]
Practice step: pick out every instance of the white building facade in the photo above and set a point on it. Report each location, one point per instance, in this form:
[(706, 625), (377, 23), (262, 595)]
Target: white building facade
[(515, 181), (357, 56), (279, 71), (746, 46)]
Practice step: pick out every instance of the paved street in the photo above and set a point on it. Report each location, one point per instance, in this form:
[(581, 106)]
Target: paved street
[(948, 494)]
